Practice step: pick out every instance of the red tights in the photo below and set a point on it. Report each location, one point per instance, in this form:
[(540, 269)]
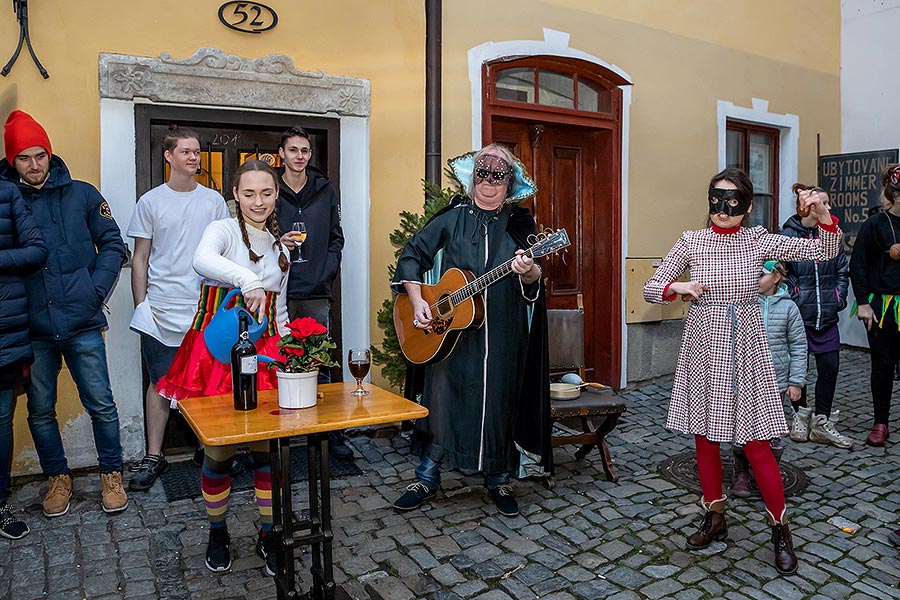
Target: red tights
[(762, 461)]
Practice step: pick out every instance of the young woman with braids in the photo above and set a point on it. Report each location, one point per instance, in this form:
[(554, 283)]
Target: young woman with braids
[(244, 253)]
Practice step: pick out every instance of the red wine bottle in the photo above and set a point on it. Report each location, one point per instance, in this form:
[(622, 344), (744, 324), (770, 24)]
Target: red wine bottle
[(243, 368)]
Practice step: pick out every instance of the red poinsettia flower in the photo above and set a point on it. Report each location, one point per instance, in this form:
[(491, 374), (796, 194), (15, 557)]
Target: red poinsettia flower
[(305, 347), (304, 327)]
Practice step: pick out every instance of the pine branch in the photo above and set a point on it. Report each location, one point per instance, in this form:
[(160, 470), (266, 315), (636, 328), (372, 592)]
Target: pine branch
[(389, 355)]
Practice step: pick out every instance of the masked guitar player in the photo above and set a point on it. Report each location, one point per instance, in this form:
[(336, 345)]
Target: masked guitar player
[(488, 399)]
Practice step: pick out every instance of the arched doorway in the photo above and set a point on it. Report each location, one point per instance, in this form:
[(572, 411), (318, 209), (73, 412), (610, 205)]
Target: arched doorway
[(563, 118)]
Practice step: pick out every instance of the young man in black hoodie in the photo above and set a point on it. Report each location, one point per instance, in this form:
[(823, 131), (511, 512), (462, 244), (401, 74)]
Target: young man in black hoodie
[(307, 196)]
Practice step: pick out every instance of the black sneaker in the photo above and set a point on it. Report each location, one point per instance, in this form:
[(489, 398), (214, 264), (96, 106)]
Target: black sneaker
[(416, 494), (505, 501), (10, 526), (894, 538), (265, 548), (218, 552), (146, 471), (338, 447)]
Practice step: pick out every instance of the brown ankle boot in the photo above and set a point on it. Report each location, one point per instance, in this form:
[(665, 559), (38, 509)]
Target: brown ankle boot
[(740, 474), (783, 545), (713, 526)]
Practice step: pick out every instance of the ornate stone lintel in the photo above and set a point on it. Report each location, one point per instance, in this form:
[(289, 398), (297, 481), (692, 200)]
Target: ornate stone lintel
[(212, 77)]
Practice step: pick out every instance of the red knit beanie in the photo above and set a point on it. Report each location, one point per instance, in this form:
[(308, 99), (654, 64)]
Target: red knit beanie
[(22, 131)]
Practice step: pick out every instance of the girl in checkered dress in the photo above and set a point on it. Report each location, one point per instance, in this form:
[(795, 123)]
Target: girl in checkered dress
[(725, 388)]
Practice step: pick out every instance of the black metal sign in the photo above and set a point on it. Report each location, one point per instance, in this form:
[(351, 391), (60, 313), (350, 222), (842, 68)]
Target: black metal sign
[(853, 183), (248, 17)]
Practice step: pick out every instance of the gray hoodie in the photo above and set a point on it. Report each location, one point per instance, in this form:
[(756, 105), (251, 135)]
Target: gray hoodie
[(787, 337)]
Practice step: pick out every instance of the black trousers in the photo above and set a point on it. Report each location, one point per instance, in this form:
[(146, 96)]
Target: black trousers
[(827, 365), (884, 351)]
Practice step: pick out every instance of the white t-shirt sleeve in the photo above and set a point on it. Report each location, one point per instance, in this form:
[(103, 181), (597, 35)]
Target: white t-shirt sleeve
[(210, 261), (221, 210), (141, 225)]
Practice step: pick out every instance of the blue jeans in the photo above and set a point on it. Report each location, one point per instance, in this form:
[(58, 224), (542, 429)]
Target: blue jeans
[(7, 397), (85, 355), (429, 473)]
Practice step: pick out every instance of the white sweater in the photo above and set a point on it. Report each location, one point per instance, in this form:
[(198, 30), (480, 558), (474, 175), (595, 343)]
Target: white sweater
[(222, 258)]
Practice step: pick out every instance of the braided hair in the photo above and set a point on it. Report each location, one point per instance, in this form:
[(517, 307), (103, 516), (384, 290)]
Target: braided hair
[(890, 180), (271, 222)]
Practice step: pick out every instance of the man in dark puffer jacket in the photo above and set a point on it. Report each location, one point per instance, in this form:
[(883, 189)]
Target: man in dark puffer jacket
[(22, 252), (65, 301), (820, 290)]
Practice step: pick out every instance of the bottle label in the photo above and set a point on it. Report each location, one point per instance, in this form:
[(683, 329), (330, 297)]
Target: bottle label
[(249, 365)]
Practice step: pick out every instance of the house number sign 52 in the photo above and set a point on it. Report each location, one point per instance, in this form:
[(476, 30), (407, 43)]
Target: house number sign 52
[(248, 17)]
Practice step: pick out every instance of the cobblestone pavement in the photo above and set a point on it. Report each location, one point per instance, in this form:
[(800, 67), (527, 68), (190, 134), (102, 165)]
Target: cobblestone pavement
[(586, 538)]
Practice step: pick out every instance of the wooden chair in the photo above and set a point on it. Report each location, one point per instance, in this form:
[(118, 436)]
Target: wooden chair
[(598, 409)]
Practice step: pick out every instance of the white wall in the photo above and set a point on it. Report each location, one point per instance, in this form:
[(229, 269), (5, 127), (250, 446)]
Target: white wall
[(870, 92)]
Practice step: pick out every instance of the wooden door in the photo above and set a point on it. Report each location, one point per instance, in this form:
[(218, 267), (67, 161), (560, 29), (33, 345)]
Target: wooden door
[(575, 170)]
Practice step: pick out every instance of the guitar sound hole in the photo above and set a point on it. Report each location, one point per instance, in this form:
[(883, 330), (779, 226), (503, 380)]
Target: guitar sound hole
[(444, 307)]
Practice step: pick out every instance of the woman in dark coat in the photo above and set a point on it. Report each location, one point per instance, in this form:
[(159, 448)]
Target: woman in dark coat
[(22, 252), (819, 288), (477, 396)]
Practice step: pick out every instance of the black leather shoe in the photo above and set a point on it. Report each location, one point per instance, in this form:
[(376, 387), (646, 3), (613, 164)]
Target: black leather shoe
[(505, 500), (338, 447), (416, 494)]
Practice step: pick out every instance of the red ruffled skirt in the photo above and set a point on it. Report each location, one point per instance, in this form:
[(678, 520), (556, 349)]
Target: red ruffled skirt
[(195, 372)]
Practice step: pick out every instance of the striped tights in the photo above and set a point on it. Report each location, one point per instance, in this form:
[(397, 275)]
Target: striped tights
[(215, 482)]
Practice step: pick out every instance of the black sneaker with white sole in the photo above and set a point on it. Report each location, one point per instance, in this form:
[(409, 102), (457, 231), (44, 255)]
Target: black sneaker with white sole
[(265, 548), (11, 526), (218, 552), (146, 471)]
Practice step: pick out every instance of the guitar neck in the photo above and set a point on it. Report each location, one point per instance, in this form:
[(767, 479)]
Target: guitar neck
[(489, 278)]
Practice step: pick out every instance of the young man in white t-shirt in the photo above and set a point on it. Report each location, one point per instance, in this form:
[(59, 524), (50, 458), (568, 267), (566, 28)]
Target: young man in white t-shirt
[(167, 225)]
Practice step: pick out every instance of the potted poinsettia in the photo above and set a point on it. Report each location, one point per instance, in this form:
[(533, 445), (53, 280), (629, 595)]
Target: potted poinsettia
[(306, 347)]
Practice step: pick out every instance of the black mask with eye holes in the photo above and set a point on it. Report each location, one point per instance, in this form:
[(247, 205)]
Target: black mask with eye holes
[(728, 202)]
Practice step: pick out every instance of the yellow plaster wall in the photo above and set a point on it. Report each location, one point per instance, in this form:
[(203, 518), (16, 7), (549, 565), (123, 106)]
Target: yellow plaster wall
[(678, 77)]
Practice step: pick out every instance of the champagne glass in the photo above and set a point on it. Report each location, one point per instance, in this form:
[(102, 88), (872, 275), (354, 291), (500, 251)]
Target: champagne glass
[(358, 361), (300, 236)]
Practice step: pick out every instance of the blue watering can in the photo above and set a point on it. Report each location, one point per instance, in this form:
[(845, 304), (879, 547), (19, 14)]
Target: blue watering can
[(222, 331)]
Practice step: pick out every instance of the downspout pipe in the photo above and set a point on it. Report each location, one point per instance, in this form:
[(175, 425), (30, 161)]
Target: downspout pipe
[(433, 19)]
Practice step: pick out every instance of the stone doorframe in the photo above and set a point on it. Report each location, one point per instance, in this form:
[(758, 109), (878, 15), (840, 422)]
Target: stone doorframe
[(213, 79)]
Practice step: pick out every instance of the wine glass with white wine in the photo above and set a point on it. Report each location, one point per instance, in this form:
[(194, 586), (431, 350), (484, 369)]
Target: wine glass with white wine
[(299, 227)]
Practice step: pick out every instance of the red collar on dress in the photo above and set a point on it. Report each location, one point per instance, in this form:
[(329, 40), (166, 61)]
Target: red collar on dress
[(725, 231)]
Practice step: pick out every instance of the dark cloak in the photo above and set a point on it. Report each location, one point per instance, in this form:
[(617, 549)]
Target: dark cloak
[(515, 406)]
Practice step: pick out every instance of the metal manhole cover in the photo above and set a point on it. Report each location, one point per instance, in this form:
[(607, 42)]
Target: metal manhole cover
[(681, 469)]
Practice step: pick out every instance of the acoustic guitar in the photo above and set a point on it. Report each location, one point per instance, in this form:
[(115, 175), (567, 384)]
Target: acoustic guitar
[(456, 304)]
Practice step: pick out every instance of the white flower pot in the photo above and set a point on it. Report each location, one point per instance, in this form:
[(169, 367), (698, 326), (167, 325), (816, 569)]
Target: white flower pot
[(297, 390)]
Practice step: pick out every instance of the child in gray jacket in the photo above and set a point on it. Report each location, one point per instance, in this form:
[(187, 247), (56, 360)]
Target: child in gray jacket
[(787, 344)]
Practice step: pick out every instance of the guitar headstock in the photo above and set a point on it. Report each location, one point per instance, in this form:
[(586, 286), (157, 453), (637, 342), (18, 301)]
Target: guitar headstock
[(548, 242)]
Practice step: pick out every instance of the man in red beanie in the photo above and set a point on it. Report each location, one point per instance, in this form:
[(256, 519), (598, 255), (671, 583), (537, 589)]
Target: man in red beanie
[(65, 302)]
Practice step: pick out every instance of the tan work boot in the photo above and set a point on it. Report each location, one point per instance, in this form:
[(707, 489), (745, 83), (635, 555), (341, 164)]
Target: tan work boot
[(114, 496), (56, 502), (713, 526)]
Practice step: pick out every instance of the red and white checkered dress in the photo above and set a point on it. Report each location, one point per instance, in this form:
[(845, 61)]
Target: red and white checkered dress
[(725, 387)]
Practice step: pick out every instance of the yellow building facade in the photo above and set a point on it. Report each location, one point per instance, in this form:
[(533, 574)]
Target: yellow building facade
[(682, 80)]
